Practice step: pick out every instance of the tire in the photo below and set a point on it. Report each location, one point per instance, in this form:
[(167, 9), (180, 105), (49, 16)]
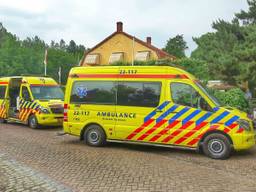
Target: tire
[(95, 136), (32, 122), (217, 146), (3, 121)]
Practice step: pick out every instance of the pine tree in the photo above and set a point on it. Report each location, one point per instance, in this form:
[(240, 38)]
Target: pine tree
[(248, 17)]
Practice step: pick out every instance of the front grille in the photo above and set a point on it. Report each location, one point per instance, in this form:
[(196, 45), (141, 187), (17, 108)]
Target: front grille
[(57, 110)]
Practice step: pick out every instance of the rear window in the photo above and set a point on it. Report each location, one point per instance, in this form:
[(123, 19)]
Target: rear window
[(141, 94), (2, 92), (93, 92), (138, 94)]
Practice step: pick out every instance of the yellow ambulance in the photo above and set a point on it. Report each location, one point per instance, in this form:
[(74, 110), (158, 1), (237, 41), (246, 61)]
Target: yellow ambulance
[(156, 105), (31, 100)]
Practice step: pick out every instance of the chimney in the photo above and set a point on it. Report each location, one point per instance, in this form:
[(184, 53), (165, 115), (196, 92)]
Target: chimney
[(149, 40), (119, 26)]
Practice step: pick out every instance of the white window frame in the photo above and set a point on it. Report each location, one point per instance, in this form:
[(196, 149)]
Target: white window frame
[(116, 56), (92, 59), (142, 56)]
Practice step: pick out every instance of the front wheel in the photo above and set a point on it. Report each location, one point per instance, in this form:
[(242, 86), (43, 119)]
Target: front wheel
[(32, 122), (217, 146), (94, 135)]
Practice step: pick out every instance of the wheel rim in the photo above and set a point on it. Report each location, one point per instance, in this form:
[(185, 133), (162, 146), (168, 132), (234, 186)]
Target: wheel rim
[(33, 122), (216, 146), (93, 137)]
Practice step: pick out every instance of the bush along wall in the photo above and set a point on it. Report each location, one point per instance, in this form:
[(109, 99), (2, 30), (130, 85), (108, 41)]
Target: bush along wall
[(233, 98)]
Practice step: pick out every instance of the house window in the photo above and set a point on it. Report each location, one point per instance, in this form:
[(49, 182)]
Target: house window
[(92, 59), (142, 56), (116, 57)]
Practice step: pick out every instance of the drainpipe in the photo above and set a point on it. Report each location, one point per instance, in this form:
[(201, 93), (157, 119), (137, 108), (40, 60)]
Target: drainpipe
[(133, 51)]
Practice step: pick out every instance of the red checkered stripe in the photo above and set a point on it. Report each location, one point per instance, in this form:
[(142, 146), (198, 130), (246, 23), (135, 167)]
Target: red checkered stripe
[(3, 110), (27, 108), (173, 130)]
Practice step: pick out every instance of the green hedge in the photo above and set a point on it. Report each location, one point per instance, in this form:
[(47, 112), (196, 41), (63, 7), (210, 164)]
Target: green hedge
[(193, 66), (233, 98), (145, 63)]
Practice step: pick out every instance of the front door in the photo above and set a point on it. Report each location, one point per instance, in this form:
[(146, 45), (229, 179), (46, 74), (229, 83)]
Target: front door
[(189, 116), (24, 104), (138, 106)]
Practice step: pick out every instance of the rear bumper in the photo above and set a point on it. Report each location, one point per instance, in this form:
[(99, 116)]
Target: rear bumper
[(243, 141), (50, 119)]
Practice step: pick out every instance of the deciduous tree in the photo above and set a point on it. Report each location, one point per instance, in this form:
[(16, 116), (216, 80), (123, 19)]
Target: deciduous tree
[(176, 46)]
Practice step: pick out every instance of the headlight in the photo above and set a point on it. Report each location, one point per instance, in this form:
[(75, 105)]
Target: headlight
[(244, 124), (44, 110)]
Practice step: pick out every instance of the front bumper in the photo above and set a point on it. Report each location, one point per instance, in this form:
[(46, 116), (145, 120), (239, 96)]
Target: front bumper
[(50, 119), (243, 141)]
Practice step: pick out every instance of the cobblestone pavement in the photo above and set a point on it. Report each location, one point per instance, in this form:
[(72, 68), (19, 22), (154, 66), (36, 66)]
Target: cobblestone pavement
[(39, 158), (17, 177)]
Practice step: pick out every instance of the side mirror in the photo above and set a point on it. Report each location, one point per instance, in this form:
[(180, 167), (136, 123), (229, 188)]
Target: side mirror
[(202, 104)]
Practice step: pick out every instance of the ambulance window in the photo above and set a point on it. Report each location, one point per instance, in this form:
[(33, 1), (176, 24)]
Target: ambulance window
[(2, 92), (151, 94), (138, 94), (25, 94), (184, 94), (93, 92)]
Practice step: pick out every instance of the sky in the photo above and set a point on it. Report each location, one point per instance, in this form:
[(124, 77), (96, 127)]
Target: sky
[(89, 22)]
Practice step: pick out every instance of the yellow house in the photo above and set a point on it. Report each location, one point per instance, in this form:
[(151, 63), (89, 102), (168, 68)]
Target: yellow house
[(121, 46)]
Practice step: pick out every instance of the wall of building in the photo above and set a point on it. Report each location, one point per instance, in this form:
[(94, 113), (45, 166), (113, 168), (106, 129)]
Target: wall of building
[(120, 43)]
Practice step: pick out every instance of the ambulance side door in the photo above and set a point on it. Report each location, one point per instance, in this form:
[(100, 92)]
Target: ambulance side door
[(139, 103)]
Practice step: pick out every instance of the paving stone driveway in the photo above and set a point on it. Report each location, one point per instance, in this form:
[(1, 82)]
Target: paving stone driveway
[(17, 177), (47, 162)]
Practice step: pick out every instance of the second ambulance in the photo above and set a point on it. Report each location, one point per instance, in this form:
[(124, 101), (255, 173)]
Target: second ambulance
[(31, 100)]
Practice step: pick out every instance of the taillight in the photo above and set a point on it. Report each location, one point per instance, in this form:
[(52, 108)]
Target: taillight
[(65, 114)]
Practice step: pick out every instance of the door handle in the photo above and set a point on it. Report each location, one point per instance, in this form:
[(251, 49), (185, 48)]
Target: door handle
[(160, 111)]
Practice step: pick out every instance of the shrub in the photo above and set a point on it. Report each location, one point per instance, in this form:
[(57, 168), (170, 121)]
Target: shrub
[(233, 98)]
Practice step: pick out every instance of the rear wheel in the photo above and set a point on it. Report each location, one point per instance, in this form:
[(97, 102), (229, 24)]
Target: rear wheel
[(94, 135), (217, 146), (3, 120), (32, 122)]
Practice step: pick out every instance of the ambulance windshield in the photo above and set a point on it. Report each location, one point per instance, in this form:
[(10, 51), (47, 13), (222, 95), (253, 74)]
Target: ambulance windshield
[(47, 92), (207, 93)]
